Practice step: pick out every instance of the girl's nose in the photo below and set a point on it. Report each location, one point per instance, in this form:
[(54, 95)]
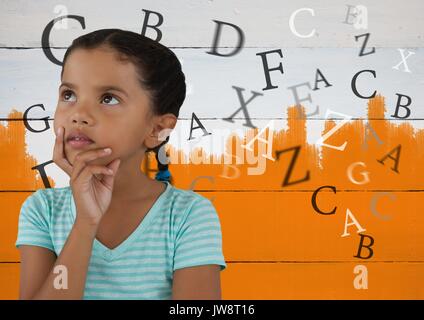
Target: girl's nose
[(81, 115), (80, 121)]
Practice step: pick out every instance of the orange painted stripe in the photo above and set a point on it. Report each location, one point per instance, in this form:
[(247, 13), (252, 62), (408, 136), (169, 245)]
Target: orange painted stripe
[(322, 281), (294, 281), (283, 226)]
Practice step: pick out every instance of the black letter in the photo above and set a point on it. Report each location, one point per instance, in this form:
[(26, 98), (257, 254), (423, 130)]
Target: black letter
[(216, 39), (361, 245), (26, 123), (267, 69), (353, 84), (46, 35), (408, 111), (145, 24), (361, 53), (322, 79), (40, 168), (193, 116), (243, 107), (314, 200), (291, 166), (396, 160)]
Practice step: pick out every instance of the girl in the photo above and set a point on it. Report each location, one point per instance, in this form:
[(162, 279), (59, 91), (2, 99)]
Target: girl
[(114, 233)]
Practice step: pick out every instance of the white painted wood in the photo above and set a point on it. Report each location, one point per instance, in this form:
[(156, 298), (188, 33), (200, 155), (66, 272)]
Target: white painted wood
[(391, 23), (29, 78)]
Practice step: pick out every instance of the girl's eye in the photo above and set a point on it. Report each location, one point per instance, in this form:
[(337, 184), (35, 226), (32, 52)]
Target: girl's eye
[(108, 96), (66, 93)]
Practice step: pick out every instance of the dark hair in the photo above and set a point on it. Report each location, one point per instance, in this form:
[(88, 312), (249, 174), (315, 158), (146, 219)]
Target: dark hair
[(158, 69)]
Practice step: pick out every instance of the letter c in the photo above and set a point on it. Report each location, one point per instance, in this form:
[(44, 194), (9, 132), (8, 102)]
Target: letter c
[(314, 201)]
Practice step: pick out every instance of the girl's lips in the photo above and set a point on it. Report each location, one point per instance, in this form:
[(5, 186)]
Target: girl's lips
[(79, 144)]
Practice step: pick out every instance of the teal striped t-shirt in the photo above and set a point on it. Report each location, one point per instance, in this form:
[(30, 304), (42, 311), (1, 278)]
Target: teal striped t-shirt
[(181, 229)]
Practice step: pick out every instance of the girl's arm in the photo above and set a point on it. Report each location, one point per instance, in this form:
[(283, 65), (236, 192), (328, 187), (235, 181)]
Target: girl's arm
[(200, 282), (38, 265), (40, 269), (198, 257)]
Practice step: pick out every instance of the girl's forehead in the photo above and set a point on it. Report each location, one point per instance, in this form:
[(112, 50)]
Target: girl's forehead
[(100, 65), (105, 57)]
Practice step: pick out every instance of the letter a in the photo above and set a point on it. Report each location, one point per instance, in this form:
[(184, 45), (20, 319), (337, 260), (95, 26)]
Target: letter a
[(200, 125), (355, 222), (268, 142), (395, 159), (361, 280), (60, 281)]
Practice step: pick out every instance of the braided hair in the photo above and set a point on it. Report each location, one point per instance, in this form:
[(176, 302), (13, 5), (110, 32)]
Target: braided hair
[(158, 68)]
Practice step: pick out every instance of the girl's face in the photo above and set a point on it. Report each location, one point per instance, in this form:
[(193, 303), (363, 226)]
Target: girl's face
[(100, 96)]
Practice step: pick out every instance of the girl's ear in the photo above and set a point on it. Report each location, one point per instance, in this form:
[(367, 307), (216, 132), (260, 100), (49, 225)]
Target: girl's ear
[(161, 129)]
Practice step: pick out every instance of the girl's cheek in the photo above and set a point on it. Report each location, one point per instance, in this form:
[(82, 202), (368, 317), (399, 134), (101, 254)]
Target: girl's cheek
[(58, 119), (55, 126), (56, 122)]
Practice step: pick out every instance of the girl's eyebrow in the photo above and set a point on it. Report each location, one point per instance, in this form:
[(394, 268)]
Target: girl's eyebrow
[(99, 88)]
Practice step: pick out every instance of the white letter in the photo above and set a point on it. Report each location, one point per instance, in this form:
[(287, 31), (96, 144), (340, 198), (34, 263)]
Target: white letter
[(403, 60), (348, 213), (363, 173), (361, 21), (61, 11), (332, 130), (262, 143), (61, 281), (361, 280), (268, 142), (291, 22)]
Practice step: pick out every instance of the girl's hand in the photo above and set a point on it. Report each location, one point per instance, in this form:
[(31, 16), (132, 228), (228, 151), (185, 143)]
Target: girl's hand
[(92, 194)]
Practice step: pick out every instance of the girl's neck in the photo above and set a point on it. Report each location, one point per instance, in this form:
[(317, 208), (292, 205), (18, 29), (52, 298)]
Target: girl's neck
[(131, 184)]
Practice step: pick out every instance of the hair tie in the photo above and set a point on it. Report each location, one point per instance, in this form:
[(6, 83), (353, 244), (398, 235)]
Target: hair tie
[(163, 175)]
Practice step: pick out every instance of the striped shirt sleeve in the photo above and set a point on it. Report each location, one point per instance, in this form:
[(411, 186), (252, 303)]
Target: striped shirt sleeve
[(199, 237), (33, 227)]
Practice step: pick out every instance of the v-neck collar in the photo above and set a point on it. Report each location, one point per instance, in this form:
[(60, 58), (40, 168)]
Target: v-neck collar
[(110, 254)]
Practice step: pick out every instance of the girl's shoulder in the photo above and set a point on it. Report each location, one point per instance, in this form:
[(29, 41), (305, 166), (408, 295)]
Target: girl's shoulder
[(55, 196), (48, 201), (186, 202), (187, 197)]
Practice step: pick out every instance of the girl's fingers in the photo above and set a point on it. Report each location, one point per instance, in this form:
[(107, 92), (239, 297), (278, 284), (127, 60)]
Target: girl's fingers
[(59, 153), (114, 165), (81, 159), (91, 170), (108, 179)]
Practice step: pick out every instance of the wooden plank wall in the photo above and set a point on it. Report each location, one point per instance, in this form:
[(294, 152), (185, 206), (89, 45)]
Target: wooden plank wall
[(276, 245)]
